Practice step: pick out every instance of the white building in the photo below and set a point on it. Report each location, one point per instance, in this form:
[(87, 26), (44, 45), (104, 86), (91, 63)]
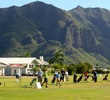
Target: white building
[(21, 65), (2, 68)]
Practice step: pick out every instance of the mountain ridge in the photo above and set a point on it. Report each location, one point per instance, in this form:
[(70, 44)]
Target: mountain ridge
[(42, 29)]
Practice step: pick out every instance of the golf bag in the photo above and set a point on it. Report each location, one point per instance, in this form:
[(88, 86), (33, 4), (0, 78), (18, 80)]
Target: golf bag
[(105, 78), (54, 77), (74, 78), (86, 78), (80, 78), (33, 81)]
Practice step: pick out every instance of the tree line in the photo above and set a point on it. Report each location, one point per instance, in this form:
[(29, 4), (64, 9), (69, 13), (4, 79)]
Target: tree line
[(57, 62)]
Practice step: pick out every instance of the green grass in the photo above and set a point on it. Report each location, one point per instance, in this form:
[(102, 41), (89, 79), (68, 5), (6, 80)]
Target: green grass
[(68, 91)]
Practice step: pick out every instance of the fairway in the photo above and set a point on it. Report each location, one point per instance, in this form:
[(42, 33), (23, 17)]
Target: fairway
[(10, 90)]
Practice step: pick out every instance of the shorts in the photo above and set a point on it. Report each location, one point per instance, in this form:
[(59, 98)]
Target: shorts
[(45, 79), (40, 79), (58, 79)]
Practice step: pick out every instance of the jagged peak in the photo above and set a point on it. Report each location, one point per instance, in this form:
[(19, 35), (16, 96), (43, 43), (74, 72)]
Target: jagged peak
[(79, 7), (91, 8)]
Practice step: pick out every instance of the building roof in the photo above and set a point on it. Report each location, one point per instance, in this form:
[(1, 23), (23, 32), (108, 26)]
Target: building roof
[(42, 62), (3, 64), (21, 60)]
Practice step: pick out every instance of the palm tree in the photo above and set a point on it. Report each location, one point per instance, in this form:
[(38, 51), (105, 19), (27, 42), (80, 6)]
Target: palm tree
[(27, 54), (58, 58)]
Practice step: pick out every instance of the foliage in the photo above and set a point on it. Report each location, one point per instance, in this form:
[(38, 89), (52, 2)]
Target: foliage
[(28, 29), (57, 59), (28, 54), (57, 66), (71, 69), (82, 67), (75, 68)]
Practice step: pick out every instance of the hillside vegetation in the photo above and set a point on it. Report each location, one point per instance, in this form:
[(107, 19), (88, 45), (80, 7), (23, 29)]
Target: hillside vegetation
[(42, 29)]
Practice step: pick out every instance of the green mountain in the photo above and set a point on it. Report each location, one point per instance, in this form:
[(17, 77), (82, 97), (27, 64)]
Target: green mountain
[(42, 29)]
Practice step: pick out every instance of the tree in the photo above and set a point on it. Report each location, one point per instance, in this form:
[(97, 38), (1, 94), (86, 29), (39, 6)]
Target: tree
[(82, 67), (58, 58), (71, 69), (27, 54)]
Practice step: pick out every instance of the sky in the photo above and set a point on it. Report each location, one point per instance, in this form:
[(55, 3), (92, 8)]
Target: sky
[(63, 4)]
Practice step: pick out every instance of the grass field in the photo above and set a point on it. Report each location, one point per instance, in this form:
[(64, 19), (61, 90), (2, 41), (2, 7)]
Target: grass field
[(10, 90)]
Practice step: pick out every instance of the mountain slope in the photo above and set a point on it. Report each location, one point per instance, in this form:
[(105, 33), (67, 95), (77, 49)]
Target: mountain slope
[(42, 29), (97, 20)]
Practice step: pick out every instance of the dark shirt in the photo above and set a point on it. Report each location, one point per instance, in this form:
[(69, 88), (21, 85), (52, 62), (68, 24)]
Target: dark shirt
[(95, 74), (63, 72)]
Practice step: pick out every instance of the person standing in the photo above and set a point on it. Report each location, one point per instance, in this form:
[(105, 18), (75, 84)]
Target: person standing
[(18, 77), (40, 75), (54, 77), (58, 79), (62, 74), (45, 78), (95, 76), (85, 76)]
